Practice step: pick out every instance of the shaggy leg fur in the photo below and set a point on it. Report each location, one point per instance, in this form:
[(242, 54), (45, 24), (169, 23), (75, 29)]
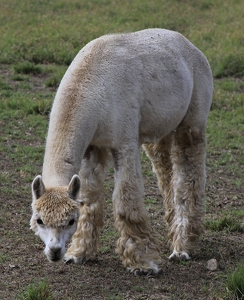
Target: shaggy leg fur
[(188, 158), (137, 246), (85, 240), (180, 169), (160, 157)]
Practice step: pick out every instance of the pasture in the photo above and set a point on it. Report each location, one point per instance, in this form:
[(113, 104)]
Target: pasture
[(38, 42)]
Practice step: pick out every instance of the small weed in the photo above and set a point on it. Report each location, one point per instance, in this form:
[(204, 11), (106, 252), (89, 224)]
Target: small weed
[(238, 213), (137, 288), (4, 85), (52, 82), (27, 68), (57, 73), (150, 202), (108, 235), (108, 186), (232, 65), (111, 171), (105, 249), (42, 107), (18, 77), (225, 223), (3, 257), (235, 284), (237, 182), (40, 291), (184, 263)]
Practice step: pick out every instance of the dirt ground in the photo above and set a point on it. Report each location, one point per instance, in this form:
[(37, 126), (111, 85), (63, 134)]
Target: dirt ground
[(23, 262)]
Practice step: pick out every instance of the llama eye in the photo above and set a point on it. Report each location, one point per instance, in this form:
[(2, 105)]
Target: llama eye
[(71, 222), (39, 221)]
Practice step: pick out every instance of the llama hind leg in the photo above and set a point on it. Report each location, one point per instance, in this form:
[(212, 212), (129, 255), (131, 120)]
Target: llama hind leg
[(160, 157), (188, 157), (85, 241), (137, 246)]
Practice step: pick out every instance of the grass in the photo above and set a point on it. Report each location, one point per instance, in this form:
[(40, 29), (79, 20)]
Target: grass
[(4, 86), (40, 291), (235, 284), (228, 222), (225, 128), (55, 32), (25, 104), (3, 257), (27, 68), (232, 65)]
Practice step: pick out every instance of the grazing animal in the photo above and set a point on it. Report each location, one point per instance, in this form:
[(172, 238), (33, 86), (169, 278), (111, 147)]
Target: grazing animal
[(152, 88)]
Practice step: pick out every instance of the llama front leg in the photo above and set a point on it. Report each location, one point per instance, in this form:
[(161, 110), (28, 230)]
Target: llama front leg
[(137, 246), (188, 157), (85, 241)]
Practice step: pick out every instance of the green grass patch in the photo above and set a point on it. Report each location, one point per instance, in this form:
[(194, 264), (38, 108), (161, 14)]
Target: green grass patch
[(56, 31), (230, 85), (229, 223), (225, 129), (27, 68), (108, 237), (137, 289), (235, 284), (150, 202), (232, 65), (55, 74), (25, 104), (18, 77), (40, 291), (238, 213), (4, 85), (53, 81), (3, 257)]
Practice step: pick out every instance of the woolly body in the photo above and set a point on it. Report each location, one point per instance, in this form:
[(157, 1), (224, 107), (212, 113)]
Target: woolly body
[(151, 88)]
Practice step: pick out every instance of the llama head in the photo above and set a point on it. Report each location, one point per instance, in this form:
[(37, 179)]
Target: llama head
[(55, 215)]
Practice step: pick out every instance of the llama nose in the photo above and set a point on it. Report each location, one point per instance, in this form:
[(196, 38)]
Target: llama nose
[(55, 250)]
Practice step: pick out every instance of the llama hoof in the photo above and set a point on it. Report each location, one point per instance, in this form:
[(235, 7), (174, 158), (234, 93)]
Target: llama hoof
[(148, 273), (137, 273), (176, 256), (67, 262), (77, 260)]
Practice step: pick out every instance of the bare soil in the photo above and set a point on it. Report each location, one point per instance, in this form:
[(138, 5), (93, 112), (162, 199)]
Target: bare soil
[(23, 262)]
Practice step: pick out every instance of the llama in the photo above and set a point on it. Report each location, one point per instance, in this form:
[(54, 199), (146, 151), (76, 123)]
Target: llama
[(151, 88)]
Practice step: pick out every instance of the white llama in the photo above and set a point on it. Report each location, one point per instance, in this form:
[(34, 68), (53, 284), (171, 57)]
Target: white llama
[(152, 88)]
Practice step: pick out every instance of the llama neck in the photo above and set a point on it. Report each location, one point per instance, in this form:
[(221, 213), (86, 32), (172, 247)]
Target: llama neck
[(73, 122), (71, 129)]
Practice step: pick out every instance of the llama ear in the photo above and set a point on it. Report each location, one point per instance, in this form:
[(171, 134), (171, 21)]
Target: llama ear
[(37, 187), (74, 187)]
